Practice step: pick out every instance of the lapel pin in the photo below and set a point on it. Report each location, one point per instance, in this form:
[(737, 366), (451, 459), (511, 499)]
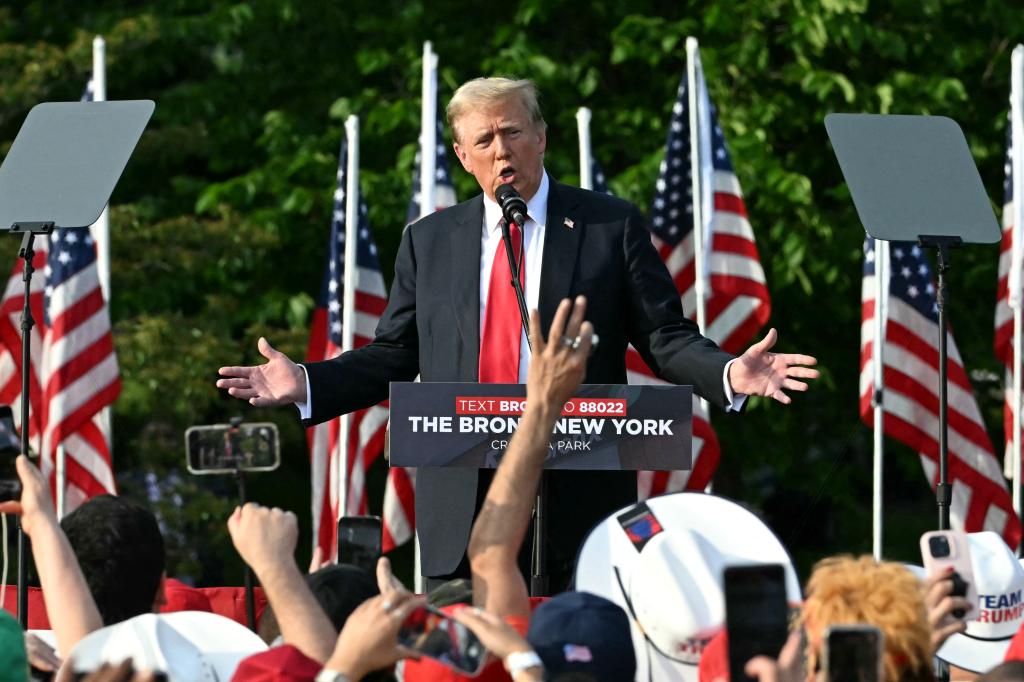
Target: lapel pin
[(569, 223)]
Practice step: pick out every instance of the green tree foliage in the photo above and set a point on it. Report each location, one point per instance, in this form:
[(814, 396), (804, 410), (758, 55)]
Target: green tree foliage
[(219, 223)]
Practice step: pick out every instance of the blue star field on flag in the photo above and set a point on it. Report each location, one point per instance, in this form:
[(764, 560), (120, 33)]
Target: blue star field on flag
[(910, 276), (442, 174), (331, 291), (672, 210)]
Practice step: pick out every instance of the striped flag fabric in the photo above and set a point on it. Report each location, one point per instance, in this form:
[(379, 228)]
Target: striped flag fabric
[(1004, 313), (737, 303), (400, 491), (366, 427), (74, 373), (911, 399)]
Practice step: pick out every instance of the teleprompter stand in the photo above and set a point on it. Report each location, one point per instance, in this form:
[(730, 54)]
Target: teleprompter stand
[(59, 173), (912, 178)]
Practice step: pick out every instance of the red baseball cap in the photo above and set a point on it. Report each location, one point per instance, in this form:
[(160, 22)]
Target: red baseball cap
[(280, 664)]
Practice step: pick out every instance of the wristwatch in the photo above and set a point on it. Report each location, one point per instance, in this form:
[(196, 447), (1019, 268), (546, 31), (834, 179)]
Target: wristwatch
[(327, 675), (518, 661)]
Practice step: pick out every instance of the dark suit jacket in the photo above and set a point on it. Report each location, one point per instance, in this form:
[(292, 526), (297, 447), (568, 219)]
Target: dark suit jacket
[(431, 328)]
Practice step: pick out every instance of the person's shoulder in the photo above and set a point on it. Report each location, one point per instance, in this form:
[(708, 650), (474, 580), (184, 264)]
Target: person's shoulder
[(443, 219), (597, 206)]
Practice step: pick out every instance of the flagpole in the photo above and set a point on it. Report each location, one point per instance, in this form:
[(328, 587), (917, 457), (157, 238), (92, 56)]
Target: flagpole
[(349, 295), (101, 228), (877, 397), (692, 54), (700, 289), (1017, 255), (428, 133), (428, 203), (586, 165)]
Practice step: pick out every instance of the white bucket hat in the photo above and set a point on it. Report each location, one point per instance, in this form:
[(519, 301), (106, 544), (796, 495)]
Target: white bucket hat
[(999, 580), (186, 645), (670, 580)]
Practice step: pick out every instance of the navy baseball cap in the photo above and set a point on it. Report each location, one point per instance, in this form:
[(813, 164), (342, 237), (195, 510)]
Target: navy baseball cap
[(582, 632)]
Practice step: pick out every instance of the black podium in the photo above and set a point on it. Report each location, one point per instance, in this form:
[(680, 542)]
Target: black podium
[(605, 427)]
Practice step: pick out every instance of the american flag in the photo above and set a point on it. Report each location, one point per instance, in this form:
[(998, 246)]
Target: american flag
[(911, 398), (74, 373), (597, 178), (1004, 313), (366, 427), (737, 303), (400, 491)]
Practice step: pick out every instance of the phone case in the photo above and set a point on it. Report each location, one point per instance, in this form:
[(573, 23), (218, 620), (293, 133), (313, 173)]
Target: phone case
[(959, 559)]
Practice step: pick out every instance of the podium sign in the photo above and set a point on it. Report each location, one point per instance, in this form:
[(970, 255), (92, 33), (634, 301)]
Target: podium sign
[(605, 426)]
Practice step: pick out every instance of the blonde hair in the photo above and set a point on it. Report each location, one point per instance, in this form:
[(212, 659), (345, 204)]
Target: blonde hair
[(486, 92), (844, 590)]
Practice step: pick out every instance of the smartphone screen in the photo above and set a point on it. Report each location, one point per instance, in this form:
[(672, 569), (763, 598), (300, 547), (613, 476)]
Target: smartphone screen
[(10, 448), (359, 541), (852, 654), (756, 614), (433, 634), (226, 448)]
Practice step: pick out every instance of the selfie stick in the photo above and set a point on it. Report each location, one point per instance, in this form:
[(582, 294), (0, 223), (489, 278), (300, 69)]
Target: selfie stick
[(250, 592)]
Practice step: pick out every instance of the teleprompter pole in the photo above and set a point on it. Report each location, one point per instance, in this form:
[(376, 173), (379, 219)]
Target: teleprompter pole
[(27, 254), (943, 490)]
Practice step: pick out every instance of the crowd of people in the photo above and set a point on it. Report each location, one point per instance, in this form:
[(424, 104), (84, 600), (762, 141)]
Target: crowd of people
[(102, 570)]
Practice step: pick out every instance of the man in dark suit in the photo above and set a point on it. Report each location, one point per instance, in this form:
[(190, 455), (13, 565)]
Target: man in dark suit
[(451, 317)]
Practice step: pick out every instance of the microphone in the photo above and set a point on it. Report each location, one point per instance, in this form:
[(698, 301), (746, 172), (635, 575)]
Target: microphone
[(512, 205)]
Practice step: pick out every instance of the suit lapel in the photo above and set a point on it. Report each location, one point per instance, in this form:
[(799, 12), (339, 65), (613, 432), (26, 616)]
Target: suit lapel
[(465, 278), (561, 249)]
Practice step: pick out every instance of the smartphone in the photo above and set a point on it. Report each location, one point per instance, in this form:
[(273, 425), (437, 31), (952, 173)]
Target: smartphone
[(756, 614), (359, 541), (433, 634), (10, 448), (227, 448), (853, 653), (942, 549)]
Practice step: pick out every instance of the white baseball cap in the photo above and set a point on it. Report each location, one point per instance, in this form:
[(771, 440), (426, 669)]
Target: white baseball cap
[(671, 582), (185, 645)]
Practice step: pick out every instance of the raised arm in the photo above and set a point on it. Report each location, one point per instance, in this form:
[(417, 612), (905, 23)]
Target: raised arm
[(70, 607), (265, 538), (556, 370)]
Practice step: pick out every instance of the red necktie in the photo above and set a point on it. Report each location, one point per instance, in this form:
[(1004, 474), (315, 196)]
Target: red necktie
[(500, 341)]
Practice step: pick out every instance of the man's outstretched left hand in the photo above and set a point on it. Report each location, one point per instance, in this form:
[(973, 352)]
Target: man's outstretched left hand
[(760, 372)]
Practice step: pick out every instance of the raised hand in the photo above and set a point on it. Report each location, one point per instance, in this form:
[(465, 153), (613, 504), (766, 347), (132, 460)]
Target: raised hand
[(940, 604), (35, 505), (369, 640), (557, 365), (264, 536), (277, 382), (761, 372)]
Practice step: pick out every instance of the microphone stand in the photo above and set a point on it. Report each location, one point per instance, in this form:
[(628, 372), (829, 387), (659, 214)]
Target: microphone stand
[(538, 560), (517, 284)]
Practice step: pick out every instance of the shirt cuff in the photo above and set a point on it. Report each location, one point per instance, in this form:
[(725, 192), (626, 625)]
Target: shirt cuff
[(306, 409), (733, 401)]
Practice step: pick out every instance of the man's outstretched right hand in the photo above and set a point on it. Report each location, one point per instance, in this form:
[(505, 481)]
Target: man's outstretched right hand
[(278, 382)]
